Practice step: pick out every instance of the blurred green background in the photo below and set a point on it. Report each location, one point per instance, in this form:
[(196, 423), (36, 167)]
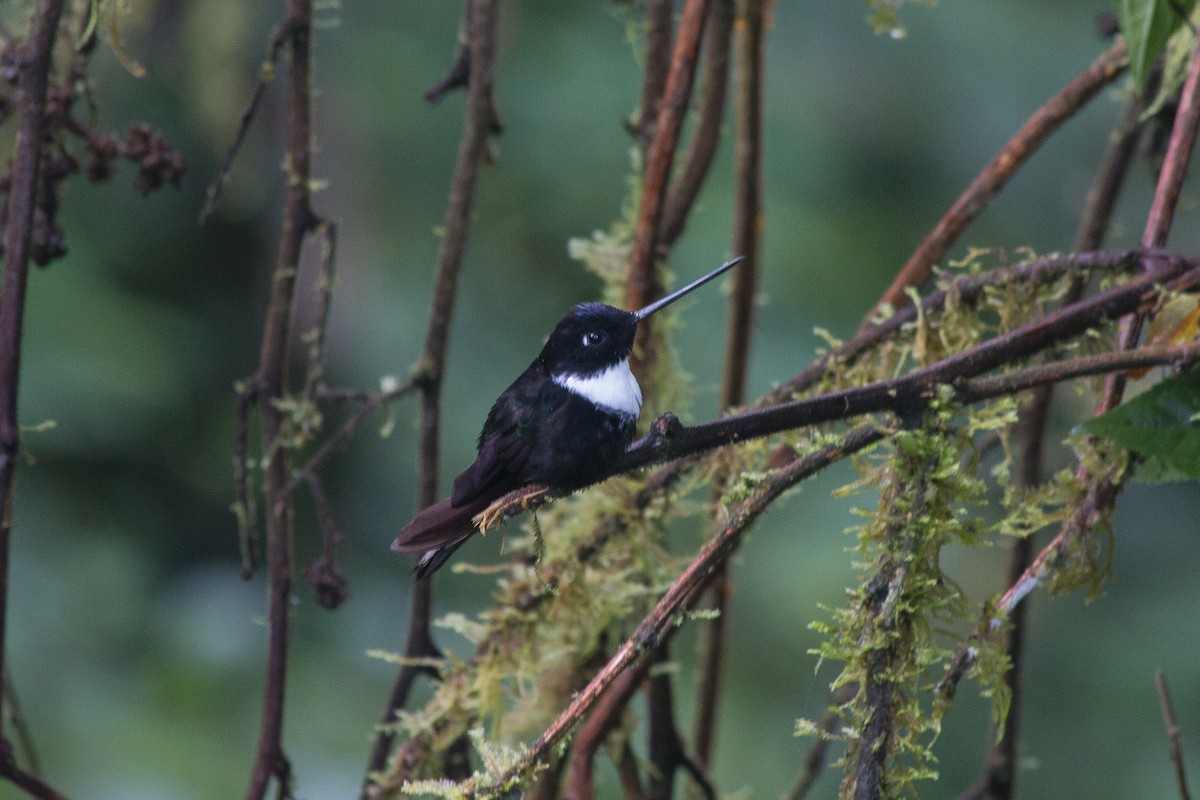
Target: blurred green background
[(135, 648)]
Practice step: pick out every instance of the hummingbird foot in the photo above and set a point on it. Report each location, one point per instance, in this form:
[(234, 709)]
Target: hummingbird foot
[(509, 505)]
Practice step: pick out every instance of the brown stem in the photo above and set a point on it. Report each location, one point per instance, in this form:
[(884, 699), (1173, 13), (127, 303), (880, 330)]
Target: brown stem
[(478, 125), (1015, 153), (1162, 210), (266, 73), (643, 283), (706, 132), (665, 747), (1102, 199), (1168, 713), (747, 238), (603, 718), (33, 72), (659, 22), (270, 385)]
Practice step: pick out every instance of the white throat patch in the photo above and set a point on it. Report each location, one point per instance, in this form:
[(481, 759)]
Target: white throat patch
[(614, 389)]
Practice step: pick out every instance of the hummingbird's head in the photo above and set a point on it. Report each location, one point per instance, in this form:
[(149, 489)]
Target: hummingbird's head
[(591, 338)]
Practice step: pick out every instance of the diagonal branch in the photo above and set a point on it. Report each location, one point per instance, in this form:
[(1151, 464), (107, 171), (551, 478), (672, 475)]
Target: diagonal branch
[(996, 174), (662, 619)]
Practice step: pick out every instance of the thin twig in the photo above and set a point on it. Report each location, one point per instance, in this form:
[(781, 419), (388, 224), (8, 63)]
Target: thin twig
[(657, 61), (270, 385), (480, 122), (665, 748), (346, 430), (33, 72), (1168, 712), (1015, 153), (815, 760), (968, 288), (747, 238), (265, 75), (1102, 198)]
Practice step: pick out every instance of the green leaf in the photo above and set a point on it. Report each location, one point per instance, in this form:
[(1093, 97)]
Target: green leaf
[(1146, 26), (1162, 424)]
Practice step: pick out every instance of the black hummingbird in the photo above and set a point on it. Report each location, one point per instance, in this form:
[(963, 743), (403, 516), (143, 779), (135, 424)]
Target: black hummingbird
[(563, 423)]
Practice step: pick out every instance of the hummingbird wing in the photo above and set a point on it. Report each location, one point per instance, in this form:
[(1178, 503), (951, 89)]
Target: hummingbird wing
[(508, 438)]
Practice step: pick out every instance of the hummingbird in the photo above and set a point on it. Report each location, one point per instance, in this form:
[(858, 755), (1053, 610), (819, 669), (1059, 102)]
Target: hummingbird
[(562, 423)]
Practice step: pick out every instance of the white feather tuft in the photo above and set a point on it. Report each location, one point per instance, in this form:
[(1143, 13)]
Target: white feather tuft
[(614, 389)]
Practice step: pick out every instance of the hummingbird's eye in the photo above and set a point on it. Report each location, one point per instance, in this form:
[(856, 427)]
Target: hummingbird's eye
[(592, 338)]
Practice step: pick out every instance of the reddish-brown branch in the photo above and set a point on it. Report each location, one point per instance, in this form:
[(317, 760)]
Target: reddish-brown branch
[(1015, 153), (270, 384), (601, 722), (643, 284), (479, 124), (33, 72), (660, 18), (1162, 209), (706, 132)]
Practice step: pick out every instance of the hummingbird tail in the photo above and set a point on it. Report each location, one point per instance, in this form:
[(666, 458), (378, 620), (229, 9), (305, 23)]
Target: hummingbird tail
[(437, 532)]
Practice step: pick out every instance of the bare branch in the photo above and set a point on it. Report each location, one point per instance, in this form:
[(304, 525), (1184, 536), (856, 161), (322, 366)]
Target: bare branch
[(479, 124), (747, 238), (1015, 153), (706, 133), (659, 23), (270, 384), (643, 286), (1168, 712), (33, 72), (265, 75)]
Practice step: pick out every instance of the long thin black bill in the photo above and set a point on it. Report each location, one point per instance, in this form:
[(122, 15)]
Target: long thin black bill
[(678, 293)]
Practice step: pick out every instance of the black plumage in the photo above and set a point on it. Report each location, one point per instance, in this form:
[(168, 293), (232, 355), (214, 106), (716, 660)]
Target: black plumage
[(563, 423)]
